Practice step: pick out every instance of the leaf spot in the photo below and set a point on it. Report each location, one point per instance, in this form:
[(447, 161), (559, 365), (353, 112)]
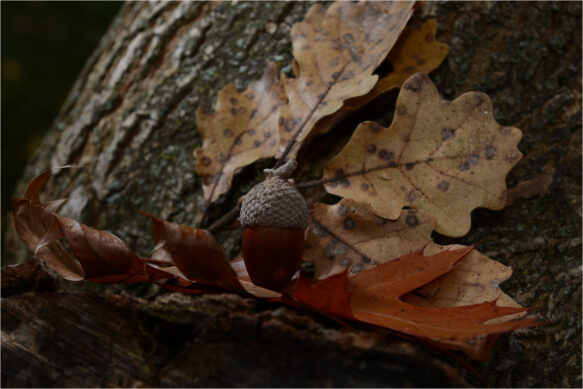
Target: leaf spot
[(206, 161), (412, 220), (490, 152), (474, 159), (343, 210), (401, 109), (464, 166), (411, 197), (375, 128), (443, 185), (409, 166), (364, 187), (234, 111), (227, 133), (447, 132), (349, 223), (414, 85), (386, 155), (371, 149), (233, 101)]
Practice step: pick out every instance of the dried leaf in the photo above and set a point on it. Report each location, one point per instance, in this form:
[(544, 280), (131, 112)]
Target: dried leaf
[(476, 279), (194, 251), (330, 295), (100, 256), (349, 235), (445, 158), (32, 221), (415, 51), (377, 299), (242, 130), (336, 52)]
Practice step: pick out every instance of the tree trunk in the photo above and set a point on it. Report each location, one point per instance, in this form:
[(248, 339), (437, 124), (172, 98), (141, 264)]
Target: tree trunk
[(130, 120)]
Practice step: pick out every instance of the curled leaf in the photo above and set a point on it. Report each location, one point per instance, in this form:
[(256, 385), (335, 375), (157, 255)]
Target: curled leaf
[(445, 158), (242, 130), (194, 251), (336, 52), (94, 255)]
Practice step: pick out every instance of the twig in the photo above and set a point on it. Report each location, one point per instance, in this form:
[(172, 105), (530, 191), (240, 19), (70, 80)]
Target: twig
[(225, 220), (309, 184)]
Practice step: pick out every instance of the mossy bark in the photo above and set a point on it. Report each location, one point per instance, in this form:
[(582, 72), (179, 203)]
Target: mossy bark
[(130, 119)]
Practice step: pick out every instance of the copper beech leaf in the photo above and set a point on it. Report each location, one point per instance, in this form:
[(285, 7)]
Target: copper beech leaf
[(94, 255), (242, 130), (194, 251), (336, 52), (415, 51), (32, 221), (445, 158)]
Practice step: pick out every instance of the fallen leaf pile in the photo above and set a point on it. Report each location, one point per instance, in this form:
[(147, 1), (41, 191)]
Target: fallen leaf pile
[(374, 259)]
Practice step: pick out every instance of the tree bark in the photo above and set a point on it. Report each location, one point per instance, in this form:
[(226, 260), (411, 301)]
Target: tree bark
[(130, 120)]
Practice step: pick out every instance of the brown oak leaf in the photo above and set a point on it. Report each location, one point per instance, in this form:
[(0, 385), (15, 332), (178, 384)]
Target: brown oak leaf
[(415, 51), (242, 130), (336, 51), (445, 158)]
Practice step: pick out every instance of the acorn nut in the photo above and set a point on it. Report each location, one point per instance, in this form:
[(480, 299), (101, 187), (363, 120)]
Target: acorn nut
[(274, 217)]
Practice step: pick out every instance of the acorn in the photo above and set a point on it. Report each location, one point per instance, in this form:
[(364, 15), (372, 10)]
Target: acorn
[(274, 217)]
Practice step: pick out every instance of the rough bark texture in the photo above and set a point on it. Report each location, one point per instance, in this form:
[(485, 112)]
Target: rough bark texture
[(130, 120)]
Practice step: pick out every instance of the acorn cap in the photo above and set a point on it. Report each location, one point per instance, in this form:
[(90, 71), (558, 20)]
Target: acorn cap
[(275, 202)]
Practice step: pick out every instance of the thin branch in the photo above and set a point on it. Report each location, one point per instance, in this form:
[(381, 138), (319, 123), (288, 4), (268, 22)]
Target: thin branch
[(308, 184), (225, 220)]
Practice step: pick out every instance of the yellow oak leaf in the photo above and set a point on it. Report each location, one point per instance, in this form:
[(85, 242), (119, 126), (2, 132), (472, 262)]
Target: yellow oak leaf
[(445, 158), (336, 51), (242, 130)]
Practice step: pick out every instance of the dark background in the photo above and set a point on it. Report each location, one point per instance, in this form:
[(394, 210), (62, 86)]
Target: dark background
[(44, 47)]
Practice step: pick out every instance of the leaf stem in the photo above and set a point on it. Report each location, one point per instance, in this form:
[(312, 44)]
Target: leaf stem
[(309, 184)]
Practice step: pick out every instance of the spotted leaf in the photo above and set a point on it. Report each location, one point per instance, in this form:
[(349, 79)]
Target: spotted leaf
[(445, 158), (242, 130), (336, 51), (349, 235)]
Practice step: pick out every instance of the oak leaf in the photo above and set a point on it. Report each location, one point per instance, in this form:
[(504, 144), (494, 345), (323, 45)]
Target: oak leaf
[(378, 292), (242, 130), (336, 51), (348, 236), (415, 51), (445, 158)]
